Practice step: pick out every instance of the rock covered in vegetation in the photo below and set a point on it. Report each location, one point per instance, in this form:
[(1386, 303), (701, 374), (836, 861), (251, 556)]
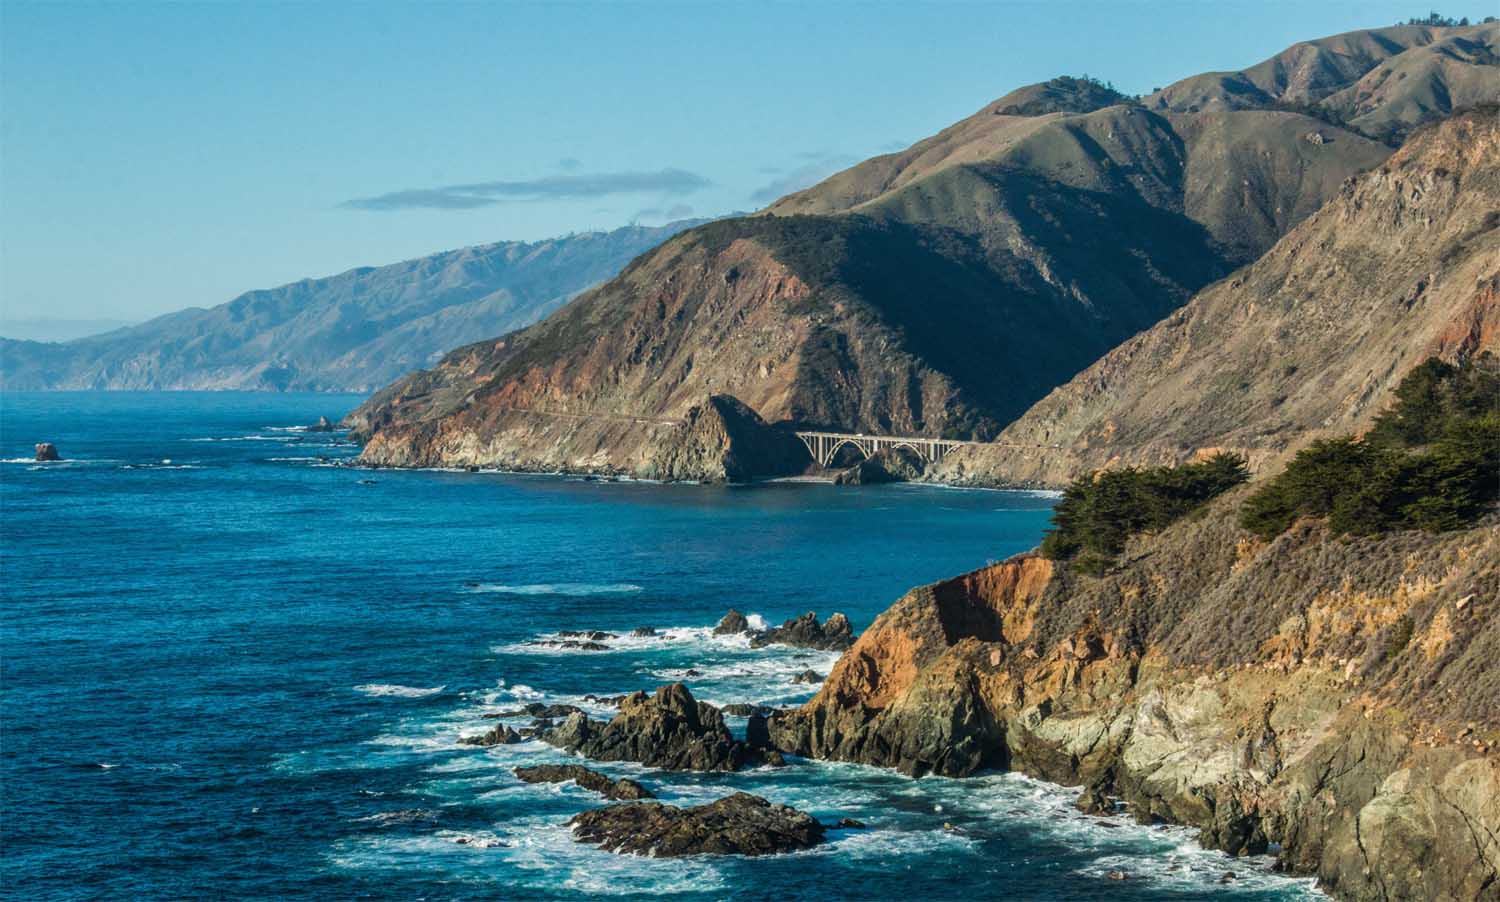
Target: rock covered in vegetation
[(623, 788), (1338, 697), (806, 632), (669, 729), (46, 451), (740, 824)]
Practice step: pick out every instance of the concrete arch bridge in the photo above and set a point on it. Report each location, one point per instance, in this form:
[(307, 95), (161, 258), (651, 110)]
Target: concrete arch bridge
[(824, 445)]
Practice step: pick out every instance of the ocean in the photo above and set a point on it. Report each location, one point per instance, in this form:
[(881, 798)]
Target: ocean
[(234, 668)]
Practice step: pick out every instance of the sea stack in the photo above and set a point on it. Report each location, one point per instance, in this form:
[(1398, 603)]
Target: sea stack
[(46, 451)]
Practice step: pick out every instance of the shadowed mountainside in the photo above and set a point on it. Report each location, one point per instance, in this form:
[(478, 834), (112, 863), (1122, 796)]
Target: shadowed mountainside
[(1310, 339), (352, 332)]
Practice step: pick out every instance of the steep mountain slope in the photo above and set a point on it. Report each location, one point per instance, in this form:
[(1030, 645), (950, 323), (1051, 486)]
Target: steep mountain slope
[(351, 332), (1381, 82), (1404, 263), (940, 291)]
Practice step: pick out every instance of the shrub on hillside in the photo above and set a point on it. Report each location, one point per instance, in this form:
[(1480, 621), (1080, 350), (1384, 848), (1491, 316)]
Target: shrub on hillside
[(1098, 513), (1432, 461)]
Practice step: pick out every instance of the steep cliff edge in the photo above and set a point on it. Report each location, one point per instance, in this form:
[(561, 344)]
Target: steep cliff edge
[(1403, 264), (1335, 698)]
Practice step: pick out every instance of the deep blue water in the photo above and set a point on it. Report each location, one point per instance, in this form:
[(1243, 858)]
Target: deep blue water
[(232, 671)]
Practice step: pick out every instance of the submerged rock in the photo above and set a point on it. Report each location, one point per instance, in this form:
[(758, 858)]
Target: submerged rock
[(46, 451), (643, 632), (733, 624), (623, 788), (670, 730), (741, 824), (579, 644), (807, 632)]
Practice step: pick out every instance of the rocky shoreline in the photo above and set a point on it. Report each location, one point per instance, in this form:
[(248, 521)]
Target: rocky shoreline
[(1255, 691)]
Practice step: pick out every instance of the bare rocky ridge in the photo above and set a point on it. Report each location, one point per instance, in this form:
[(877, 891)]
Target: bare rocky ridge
[(1335, 697), (355, 331), (1403, 264), (670, 730)]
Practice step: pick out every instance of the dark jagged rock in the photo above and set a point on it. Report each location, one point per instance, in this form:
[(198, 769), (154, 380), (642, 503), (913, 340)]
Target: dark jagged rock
[(580, 644), (612, 701), (500, 735), (623, 788), (741, 824), (591, 635), (811, 677), (46, 451), (322, 425), (1095, 800), (670, 730), (643, 632), (847, 823), (537, 709), (745, 709), (807, 632), (733, 624)]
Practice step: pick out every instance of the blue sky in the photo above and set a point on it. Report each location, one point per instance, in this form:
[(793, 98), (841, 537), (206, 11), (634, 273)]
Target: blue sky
[(163, 156)]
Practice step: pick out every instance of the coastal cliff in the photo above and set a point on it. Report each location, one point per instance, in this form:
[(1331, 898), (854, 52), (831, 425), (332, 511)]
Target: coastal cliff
[(1333, 699)]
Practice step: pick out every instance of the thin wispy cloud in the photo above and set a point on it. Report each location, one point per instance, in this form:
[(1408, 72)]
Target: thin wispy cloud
[(816, 166), (676, 211), (665, 183)]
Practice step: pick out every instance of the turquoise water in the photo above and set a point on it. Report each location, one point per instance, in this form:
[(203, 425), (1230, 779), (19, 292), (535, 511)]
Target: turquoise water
[(232, 669)]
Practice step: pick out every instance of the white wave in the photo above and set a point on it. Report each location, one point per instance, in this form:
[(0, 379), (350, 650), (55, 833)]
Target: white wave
[(398, 691), (241, 438), (578, 589)]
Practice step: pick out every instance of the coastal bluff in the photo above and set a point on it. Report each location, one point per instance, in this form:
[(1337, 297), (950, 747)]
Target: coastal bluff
[(1336, 701)]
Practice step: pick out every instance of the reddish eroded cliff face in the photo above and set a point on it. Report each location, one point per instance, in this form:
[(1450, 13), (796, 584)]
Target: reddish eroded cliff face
[(1338, 697)]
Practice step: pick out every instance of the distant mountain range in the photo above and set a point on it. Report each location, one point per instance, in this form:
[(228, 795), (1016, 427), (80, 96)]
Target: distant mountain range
[(944, 289), (355, 331)]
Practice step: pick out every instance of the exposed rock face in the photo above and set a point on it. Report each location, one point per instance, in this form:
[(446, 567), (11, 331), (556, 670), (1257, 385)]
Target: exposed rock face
[(322, 425), (1050, 239), (1309, 340), (46, 451), (806, 632), (351, 332), (741, 824), (894, 465), (670, 730), (732, 624), (623, 788), (1250, 689), (723, 440)]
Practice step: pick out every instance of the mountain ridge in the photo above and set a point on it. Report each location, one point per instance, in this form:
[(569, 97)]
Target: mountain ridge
[(352, 331)]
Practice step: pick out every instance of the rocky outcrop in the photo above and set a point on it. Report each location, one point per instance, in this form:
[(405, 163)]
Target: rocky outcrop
[(623, 788), (1336, 698), (732, 624), (1311, 339), (670, 730), (500, 734), (806, 632), (722, 440), (741, 824), (46, 452)]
